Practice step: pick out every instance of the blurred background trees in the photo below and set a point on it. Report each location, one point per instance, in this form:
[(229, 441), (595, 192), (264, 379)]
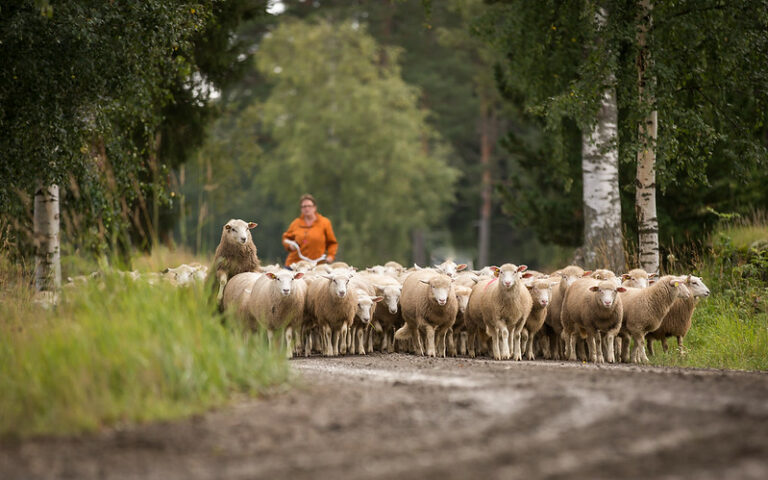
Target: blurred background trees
[(425, 129)]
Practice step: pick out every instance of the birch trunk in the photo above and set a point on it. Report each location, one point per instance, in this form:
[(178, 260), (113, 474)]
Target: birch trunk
[(645, 183), (603, 242), (46, 235)]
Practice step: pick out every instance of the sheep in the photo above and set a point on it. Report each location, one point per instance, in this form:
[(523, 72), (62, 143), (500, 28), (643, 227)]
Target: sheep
[(503, 305), (677, 322), (591, 306), (459, 328), (237, 290), (394, 267), (185, 274), (276, 301), (644, 309), (428, 302), (448, 267), (637, 278), (363, 316), (331, 309), (567, 276), (386, 317), (235, 253), (541, 291)]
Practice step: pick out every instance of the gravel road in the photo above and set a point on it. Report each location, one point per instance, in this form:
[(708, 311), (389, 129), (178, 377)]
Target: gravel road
[(406, 417)]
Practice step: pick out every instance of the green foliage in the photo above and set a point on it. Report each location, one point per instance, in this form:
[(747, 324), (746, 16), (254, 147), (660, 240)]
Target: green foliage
[(340, 123), (730, 328), (103, 98), (122, 352)]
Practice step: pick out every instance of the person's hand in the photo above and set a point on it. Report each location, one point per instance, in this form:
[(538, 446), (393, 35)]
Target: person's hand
[(291, 244)]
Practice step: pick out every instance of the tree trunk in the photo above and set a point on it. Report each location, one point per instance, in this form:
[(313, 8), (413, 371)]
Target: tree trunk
[(645, 183), (46, 236), (603, 244), (487, 138), (419, 250)]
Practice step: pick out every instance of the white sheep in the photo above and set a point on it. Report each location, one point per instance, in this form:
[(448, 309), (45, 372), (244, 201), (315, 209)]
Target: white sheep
[(567, 276), (636, 278), (237, 290), (541, 293), (276, 302), (362, 322), (457, 335), (428, 303), (235, 253), (591, 307), (644, 309), (503, 305), (677, 322), (331, 309), (386, 317), (185, 274)]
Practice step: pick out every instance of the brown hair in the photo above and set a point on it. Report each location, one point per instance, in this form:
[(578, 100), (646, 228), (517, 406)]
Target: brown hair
[(309, 197)]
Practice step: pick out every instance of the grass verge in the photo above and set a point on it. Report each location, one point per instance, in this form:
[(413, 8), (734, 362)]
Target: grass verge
[(121, 351)]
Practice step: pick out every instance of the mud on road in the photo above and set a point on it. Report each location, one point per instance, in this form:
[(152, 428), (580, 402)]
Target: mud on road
[(406, 417)]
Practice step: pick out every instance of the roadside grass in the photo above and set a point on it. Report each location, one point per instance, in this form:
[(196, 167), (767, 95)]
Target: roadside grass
[(730, 328), (117, 351)]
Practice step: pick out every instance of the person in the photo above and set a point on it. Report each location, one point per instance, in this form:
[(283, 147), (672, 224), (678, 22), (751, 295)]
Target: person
[(312, 231)]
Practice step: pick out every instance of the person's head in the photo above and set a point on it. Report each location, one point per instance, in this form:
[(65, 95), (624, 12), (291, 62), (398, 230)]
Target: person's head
[(308, 204)]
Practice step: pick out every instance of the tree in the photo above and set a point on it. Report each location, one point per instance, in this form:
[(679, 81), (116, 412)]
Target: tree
[(82, 98), (344, 126)]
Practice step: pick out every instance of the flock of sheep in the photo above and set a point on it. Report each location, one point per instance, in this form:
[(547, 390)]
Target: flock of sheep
[(506, 312)]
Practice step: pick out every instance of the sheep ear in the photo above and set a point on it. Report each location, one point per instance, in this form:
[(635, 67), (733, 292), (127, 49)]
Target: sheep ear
[(271, 275), (527, 275), (624, 276), (651, 275), (298, 275), (496, 271), (252, 225), (522, 268), (587, 273), (594, 288), (461, 267), (424, 282), (621, 289), (651, 282), (228, 227), (529, 286), (377, 299)]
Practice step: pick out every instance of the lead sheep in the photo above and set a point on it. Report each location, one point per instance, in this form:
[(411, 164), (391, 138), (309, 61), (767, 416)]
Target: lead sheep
[(592, 307), (677, 322), (644, 309), (428, 303), (235, 253), (276, 302), (502, 304)]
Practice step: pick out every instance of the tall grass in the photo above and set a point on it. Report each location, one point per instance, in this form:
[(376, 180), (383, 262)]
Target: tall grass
[(730, 328), (121, 351)]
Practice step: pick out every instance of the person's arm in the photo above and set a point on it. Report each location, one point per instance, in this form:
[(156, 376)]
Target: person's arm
[(331, 245), (289, 234)]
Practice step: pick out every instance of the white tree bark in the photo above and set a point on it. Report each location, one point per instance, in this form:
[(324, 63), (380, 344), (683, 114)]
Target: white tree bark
[(603, 241), (645, 183), (46, 238)]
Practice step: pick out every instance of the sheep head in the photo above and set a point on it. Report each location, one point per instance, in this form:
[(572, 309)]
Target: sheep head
[(605, 293)]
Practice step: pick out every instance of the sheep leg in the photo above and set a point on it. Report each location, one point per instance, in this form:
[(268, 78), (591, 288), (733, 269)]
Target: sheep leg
[(517, 353), (222, 284), (625, 348), (610, 355), (496, 352), (270, 334), (471, 343), (343, 344), (328, 335), (289, 342), (463, 343), (504, 343), (649, 345), (360, 341), (592, 346), (599, 344), (680, 346), (571, 347), (664, 345), (370, 340), (430, 338), (451, 343), (529, 345)]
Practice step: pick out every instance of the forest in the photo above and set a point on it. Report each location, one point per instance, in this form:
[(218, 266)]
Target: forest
[(426, 130)]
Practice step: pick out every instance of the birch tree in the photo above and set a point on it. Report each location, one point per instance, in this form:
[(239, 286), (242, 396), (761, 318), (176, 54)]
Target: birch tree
[(645, 184)]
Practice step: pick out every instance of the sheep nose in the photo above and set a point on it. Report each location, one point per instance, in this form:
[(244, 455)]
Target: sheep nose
[(393, 310), (607, 304), (342, 293), (286, 291), (507, 284), (544, 303), (242, 239), (441, 301)]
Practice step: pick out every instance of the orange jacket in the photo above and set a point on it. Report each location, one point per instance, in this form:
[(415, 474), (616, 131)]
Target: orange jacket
[(313, 241)]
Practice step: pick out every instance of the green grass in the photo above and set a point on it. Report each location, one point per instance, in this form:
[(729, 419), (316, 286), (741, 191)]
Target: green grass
[(122, 352), (730, 328)]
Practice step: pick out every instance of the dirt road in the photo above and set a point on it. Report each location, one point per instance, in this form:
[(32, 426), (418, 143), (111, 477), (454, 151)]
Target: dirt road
[(405, 417)]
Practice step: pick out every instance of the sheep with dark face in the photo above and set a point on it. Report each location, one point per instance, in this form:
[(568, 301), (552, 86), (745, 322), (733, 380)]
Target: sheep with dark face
[(235, 254)]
